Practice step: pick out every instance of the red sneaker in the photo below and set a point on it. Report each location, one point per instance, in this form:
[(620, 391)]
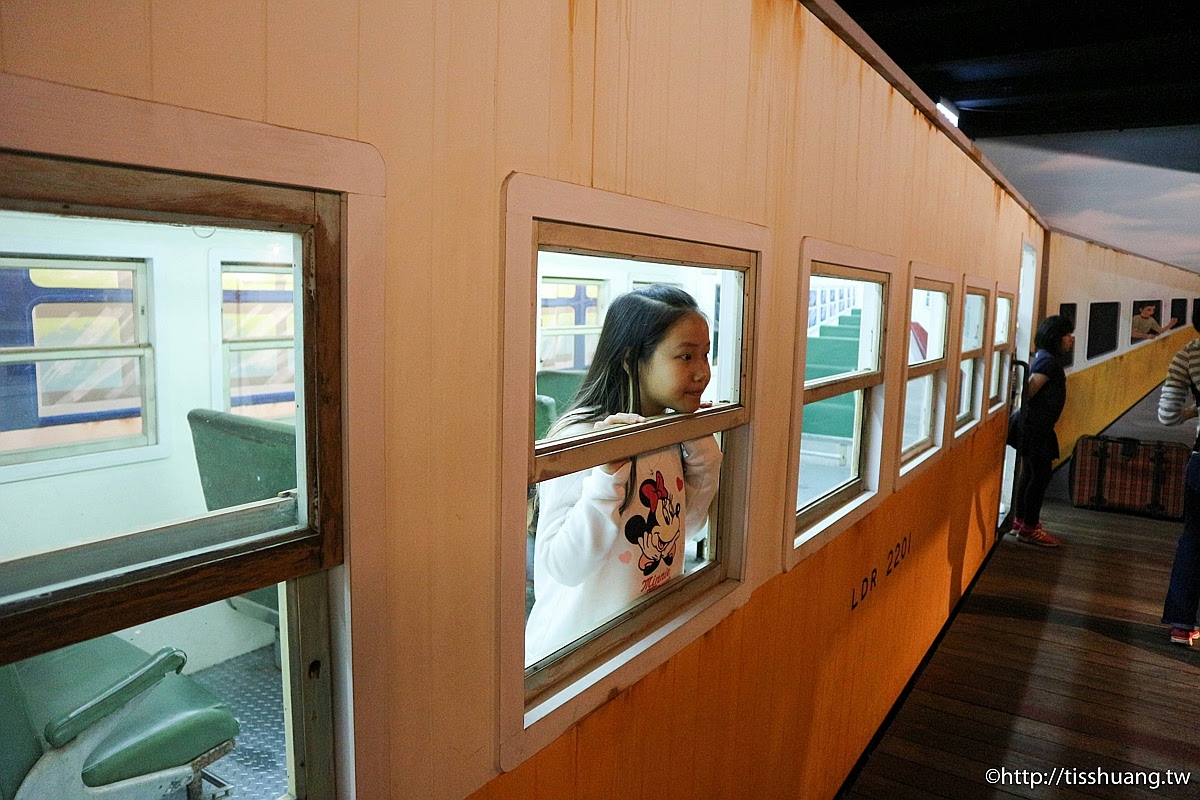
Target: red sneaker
[(1039, 536), (1183, 636)]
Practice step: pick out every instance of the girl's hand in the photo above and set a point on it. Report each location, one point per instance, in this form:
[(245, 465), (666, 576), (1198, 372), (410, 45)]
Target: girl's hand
[(612, 421)]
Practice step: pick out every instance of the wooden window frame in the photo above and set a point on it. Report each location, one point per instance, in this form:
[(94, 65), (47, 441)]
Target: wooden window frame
[(130, 587), (865, 381), (981, 356), (540, 212), (935, 368), (40, 460), (1006, 349), (553, 458), (811, 528), (928, 276), (111, 129)]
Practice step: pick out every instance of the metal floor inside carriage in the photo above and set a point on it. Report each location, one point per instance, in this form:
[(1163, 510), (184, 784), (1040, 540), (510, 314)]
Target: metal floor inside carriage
[(1055, 661), (256, 768)]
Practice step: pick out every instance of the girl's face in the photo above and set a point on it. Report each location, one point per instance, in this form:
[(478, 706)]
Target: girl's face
[(677, 372)]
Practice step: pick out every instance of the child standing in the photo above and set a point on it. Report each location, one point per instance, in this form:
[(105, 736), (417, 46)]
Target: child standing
[(609, 536)]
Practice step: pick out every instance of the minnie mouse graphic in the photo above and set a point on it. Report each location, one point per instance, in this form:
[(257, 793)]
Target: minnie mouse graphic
[(656, 534)]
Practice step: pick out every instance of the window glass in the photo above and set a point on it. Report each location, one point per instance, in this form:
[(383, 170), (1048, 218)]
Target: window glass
[(85, 343), (999, 379), (966, 394), (75, 356), (845, 337), (919, 405), (661, 537), (569, 323), (830, 445), (258, 325), (974, 318), (927, 329), (1003, 319)]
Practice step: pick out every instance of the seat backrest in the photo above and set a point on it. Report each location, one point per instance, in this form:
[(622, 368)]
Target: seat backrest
[(241, 459), (20, 748), (560, 384)]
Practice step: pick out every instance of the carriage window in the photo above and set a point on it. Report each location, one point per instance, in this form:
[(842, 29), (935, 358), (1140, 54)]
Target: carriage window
[(572, 312), (76, 361), (926, 373), (1002, 353), (842, 373), (971, 365), (652, 481), (258, 328)]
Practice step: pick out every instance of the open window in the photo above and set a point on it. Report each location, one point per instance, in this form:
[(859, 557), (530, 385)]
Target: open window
[(845, 353), (617, 535), (972, 371)]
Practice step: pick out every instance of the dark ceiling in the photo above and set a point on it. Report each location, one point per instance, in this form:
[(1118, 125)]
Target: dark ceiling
[(1021, 67)]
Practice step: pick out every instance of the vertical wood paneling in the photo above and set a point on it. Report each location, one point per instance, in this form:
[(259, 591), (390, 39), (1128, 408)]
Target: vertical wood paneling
[(312, 65), (103, 46), (683, 60), (397, 86), (211, 55), (610, 121), (464, 382), (523, 108), (649, 100), (572, 90)]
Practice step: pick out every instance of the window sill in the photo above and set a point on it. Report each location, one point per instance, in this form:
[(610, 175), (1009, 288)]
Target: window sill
[(814, 536), (910, 469), (554, 715), (81, 463)]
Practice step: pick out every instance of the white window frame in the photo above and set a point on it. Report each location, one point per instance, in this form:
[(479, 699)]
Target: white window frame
[(1007, 349), (157, 443), (529, 201), (982, 356), (224, 259), (807, 533), (923, 276)]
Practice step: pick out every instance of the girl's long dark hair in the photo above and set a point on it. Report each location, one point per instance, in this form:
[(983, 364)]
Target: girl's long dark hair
[(633, 328), (635, 324), (1050, 333)]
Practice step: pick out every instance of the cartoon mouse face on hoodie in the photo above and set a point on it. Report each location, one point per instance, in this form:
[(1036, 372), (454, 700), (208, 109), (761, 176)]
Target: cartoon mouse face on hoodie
[(657, 533)]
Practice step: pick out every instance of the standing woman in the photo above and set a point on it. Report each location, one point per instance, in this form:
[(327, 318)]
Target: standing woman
[(1036, 442)]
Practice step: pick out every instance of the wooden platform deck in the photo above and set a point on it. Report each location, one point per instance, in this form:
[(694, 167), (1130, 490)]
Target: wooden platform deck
[(1056, 664)]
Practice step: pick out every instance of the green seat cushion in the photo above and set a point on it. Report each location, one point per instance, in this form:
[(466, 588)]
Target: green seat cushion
[(177, 721), (62, 680), (19, 745)]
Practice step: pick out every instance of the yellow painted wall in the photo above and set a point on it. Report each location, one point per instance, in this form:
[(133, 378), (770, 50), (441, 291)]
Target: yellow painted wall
[(1099, 391), (749, 110)]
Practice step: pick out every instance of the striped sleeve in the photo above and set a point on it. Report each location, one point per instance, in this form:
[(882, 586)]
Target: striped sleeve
[(1183, 373)]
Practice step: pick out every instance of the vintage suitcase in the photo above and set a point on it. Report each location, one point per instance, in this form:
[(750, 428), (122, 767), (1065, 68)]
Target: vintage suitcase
[(1129, 475)]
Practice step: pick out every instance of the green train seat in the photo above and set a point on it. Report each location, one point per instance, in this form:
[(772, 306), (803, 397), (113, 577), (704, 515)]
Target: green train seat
[(243, 460), (105, 719)]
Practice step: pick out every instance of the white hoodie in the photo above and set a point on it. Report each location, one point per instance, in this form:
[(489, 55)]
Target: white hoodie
[(592, 562)]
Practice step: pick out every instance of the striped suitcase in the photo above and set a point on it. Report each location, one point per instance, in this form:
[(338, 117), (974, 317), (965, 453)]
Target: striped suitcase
[(1129, 476)]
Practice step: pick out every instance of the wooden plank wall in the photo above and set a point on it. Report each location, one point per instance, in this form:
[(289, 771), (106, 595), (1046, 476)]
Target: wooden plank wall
[(750, 110)]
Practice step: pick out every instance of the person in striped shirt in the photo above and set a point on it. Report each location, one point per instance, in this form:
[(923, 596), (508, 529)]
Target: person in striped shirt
[(1175, 405)]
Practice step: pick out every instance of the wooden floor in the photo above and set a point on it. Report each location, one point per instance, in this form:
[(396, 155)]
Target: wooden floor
[(1056, 664)]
